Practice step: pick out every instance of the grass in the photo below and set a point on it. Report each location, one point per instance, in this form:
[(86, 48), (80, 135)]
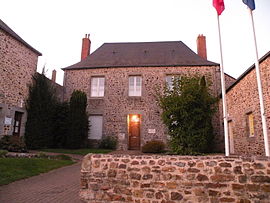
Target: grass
[(12, 169), (78, 151)]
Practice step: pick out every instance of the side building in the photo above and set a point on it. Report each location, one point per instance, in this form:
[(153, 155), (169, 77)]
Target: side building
[(120, 80), (245, 126), (18, 62)]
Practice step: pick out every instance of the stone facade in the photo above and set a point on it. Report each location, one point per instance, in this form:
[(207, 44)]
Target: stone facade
[(116, 105), (243, 99), (18, 63), (173, 179)]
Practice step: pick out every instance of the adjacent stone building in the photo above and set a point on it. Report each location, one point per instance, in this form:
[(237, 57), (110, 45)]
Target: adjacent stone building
[(245, 126), (18, 62), (120, 80)]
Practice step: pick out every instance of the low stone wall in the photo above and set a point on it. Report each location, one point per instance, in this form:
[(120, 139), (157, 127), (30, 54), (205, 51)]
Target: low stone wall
[(171, 179)]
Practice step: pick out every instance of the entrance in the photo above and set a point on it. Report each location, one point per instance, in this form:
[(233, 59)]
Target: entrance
[(134, 127), (17, 123)]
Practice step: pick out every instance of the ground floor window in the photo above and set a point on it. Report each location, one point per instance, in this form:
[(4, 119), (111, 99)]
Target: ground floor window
[(96, 123)]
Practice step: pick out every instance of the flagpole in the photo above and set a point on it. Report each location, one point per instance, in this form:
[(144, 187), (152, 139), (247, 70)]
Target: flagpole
[(223, 90), (259, 83)]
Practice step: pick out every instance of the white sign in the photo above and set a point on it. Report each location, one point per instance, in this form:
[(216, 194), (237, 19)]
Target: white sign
[(8, 121), (151, 131), (121, 136)]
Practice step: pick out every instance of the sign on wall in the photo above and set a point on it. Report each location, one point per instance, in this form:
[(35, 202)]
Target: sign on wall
[(8, 121), (151, 131)]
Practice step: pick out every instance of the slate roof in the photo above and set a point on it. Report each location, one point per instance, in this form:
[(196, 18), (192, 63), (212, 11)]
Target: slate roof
[(7, 29), (247, 71), (142, 54)]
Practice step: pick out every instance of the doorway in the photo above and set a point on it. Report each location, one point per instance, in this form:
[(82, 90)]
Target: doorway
[(134, 128), (17, 123)]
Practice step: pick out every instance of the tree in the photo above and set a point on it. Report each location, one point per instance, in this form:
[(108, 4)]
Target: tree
[(78, 121), (187, 112), (40, 109)]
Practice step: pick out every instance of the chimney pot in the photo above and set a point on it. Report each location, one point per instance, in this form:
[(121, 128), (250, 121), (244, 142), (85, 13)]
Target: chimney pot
[(201, 46), (86, 44), (54, 75)]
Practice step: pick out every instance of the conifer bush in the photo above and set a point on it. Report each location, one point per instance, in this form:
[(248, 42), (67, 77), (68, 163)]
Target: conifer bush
[(40, 110), (187, 112), (78, 121)]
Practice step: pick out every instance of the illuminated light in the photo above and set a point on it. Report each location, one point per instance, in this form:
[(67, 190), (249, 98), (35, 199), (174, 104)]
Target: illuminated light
[(135, 118)]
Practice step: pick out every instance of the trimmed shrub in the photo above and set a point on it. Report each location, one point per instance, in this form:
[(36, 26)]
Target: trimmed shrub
[(154, 146), (108, 142), (13, 143)]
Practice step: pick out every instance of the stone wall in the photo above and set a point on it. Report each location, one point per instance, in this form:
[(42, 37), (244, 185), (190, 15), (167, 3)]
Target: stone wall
[(116, 104), (172, 179), (243, 98), (17, 65)]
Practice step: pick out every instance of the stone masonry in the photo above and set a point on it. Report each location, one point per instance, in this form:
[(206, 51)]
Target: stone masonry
[(116, 104), (17, 65), (173, 179), (242, 99)]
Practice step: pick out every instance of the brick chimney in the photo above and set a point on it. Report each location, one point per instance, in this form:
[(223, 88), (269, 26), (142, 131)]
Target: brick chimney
[(86, 44), (201, 46), (53, 75)]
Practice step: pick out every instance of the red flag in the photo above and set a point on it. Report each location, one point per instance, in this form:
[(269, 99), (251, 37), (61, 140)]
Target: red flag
[(219, 5)]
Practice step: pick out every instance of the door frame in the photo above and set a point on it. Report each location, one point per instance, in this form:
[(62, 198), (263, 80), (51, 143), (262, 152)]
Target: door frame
[(128, 128)]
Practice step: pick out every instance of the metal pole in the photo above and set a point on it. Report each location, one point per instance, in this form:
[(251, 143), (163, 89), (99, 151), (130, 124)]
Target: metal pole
[(223, 90), (257, 66)]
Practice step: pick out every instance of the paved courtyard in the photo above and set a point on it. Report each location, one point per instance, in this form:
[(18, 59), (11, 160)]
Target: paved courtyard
[(57, 186)]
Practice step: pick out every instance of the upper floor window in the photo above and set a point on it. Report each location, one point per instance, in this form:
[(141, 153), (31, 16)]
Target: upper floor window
[(170, 81), (97, 86), (135, 86), (251, 129)]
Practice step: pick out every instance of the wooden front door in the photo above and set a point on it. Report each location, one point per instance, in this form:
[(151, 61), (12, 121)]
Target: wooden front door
[(17, 123), (134, 127)]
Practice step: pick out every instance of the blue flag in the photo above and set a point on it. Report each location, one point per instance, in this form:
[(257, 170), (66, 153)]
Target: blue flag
[(250, 4)]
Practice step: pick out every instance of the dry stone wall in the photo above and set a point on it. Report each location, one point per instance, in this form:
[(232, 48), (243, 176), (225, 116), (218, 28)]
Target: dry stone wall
[(172, 179)]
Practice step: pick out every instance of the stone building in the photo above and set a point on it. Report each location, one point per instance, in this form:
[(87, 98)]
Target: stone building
[(245, 126), (18, 62), (120, 81)]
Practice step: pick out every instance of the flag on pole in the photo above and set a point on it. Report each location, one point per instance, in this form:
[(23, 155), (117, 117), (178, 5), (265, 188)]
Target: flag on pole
[(219, 5), (250, 4)]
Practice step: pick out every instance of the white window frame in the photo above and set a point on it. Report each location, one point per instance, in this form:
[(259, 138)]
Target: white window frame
[(100, 91), (137, 86), (169, 84)]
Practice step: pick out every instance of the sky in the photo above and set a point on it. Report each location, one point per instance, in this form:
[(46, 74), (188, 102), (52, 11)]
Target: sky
[(56, 27)]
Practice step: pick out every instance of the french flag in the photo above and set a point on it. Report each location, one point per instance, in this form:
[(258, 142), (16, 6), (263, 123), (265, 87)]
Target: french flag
[(250, 4), (219, 5)]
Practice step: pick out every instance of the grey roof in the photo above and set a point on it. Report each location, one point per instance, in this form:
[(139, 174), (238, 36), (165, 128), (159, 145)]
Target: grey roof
[(7, 29), (142, 54), (248, 71)]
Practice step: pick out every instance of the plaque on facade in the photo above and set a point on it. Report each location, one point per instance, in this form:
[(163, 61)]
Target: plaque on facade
[(121, 136), (8, 121), (151, 131)]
